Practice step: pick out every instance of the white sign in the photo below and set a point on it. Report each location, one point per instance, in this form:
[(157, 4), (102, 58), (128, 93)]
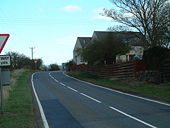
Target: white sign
[(5, 61)]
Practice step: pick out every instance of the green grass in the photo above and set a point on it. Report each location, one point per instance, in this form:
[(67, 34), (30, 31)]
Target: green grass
[(19, 108), (150, 90)]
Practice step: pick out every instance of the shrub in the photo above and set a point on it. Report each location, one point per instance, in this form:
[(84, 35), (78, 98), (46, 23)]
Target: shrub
[(154, 57), (53, 67)]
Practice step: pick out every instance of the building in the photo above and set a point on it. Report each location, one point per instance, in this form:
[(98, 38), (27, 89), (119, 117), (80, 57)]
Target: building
[(131, 38), (136, 53), (81, 43)]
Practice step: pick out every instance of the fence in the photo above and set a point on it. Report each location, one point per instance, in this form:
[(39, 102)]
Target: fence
[(122, 70), (135, 68)]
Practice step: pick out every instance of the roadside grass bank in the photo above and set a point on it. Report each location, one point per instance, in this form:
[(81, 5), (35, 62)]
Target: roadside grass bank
[(14, 76), (154, 91), (18, 108)]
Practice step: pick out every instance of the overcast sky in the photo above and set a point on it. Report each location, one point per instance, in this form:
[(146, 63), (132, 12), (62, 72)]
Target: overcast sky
[(51, 26)]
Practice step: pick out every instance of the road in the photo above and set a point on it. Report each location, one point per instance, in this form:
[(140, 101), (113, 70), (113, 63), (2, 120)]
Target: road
[(70, 103)]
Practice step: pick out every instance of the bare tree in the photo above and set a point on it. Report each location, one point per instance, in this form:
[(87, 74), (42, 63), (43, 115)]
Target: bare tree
[(119, 28), (150, 17)]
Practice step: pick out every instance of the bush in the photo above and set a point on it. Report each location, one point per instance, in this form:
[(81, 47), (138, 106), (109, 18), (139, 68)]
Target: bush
[(154, 57), (53, 67)]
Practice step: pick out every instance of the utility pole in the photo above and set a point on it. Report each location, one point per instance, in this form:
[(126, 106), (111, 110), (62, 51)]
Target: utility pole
[(32, 52)]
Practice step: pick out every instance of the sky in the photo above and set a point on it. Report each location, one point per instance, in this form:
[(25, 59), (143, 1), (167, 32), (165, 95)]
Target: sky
[(50, 26)]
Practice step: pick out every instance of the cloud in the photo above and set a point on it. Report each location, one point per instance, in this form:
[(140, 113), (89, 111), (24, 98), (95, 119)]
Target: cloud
[(72, 8), (98, 10), (100, 17)]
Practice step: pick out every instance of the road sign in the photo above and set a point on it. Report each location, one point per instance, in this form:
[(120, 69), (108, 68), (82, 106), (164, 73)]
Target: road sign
[(3, 40), (5, 61), (5, 74)]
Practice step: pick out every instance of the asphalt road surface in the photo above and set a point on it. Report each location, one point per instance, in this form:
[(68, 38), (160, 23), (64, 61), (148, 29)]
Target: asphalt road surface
[(70, 103)]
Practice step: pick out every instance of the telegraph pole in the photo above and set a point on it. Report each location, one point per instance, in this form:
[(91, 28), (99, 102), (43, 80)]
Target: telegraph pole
[(32, 52), (32, 57)]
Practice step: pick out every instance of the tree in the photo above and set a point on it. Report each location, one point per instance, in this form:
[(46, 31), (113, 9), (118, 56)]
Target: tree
[(119, 28), (69, 64), (19, 61), (54, 67), (150, 17), (37, 63), (104, 51)]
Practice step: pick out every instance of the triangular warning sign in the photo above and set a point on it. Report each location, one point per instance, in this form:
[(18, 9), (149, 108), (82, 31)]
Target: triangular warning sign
[(3, 40)]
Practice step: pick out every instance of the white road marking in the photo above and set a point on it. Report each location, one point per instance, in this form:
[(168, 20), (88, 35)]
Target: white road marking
[(91, 98), (72, 89), (53, 78), (132, 117), (44, 120), (154, 101), (62, 84), (56, 80)]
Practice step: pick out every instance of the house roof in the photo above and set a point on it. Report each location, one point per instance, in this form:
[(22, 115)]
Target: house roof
[(133, 38), (84, 41)]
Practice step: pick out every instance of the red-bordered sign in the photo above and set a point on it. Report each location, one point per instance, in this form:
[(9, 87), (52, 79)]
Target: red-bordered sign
[(3, 40)]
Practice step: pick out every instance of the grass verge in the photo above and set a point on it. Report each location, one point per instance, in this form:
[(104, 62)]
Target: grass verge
[(19, 108), (155, 91)]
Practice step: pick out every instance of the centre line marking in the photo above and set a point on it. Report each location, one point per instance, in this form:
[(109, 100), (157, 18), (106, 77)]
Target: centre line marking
[(72, 89), (56, 80), (123, 93), (91, 98), (62, 84), (132, 117)]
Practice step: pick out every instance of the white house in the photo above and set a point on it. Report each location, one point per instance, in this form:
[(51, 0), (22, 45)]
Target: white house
[(81, 43)]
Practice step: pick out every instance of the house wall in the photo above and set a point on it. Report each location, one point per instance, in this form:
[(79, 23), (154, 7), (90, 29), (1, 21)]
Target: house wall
[(77, 58), (135, 51), (94, 37)]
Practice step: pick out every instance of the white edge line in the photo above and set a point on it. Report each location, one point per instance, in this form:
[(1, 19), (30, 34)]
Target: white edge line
[(44, 120), (155, 101), (91, 98), (134, 118)]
